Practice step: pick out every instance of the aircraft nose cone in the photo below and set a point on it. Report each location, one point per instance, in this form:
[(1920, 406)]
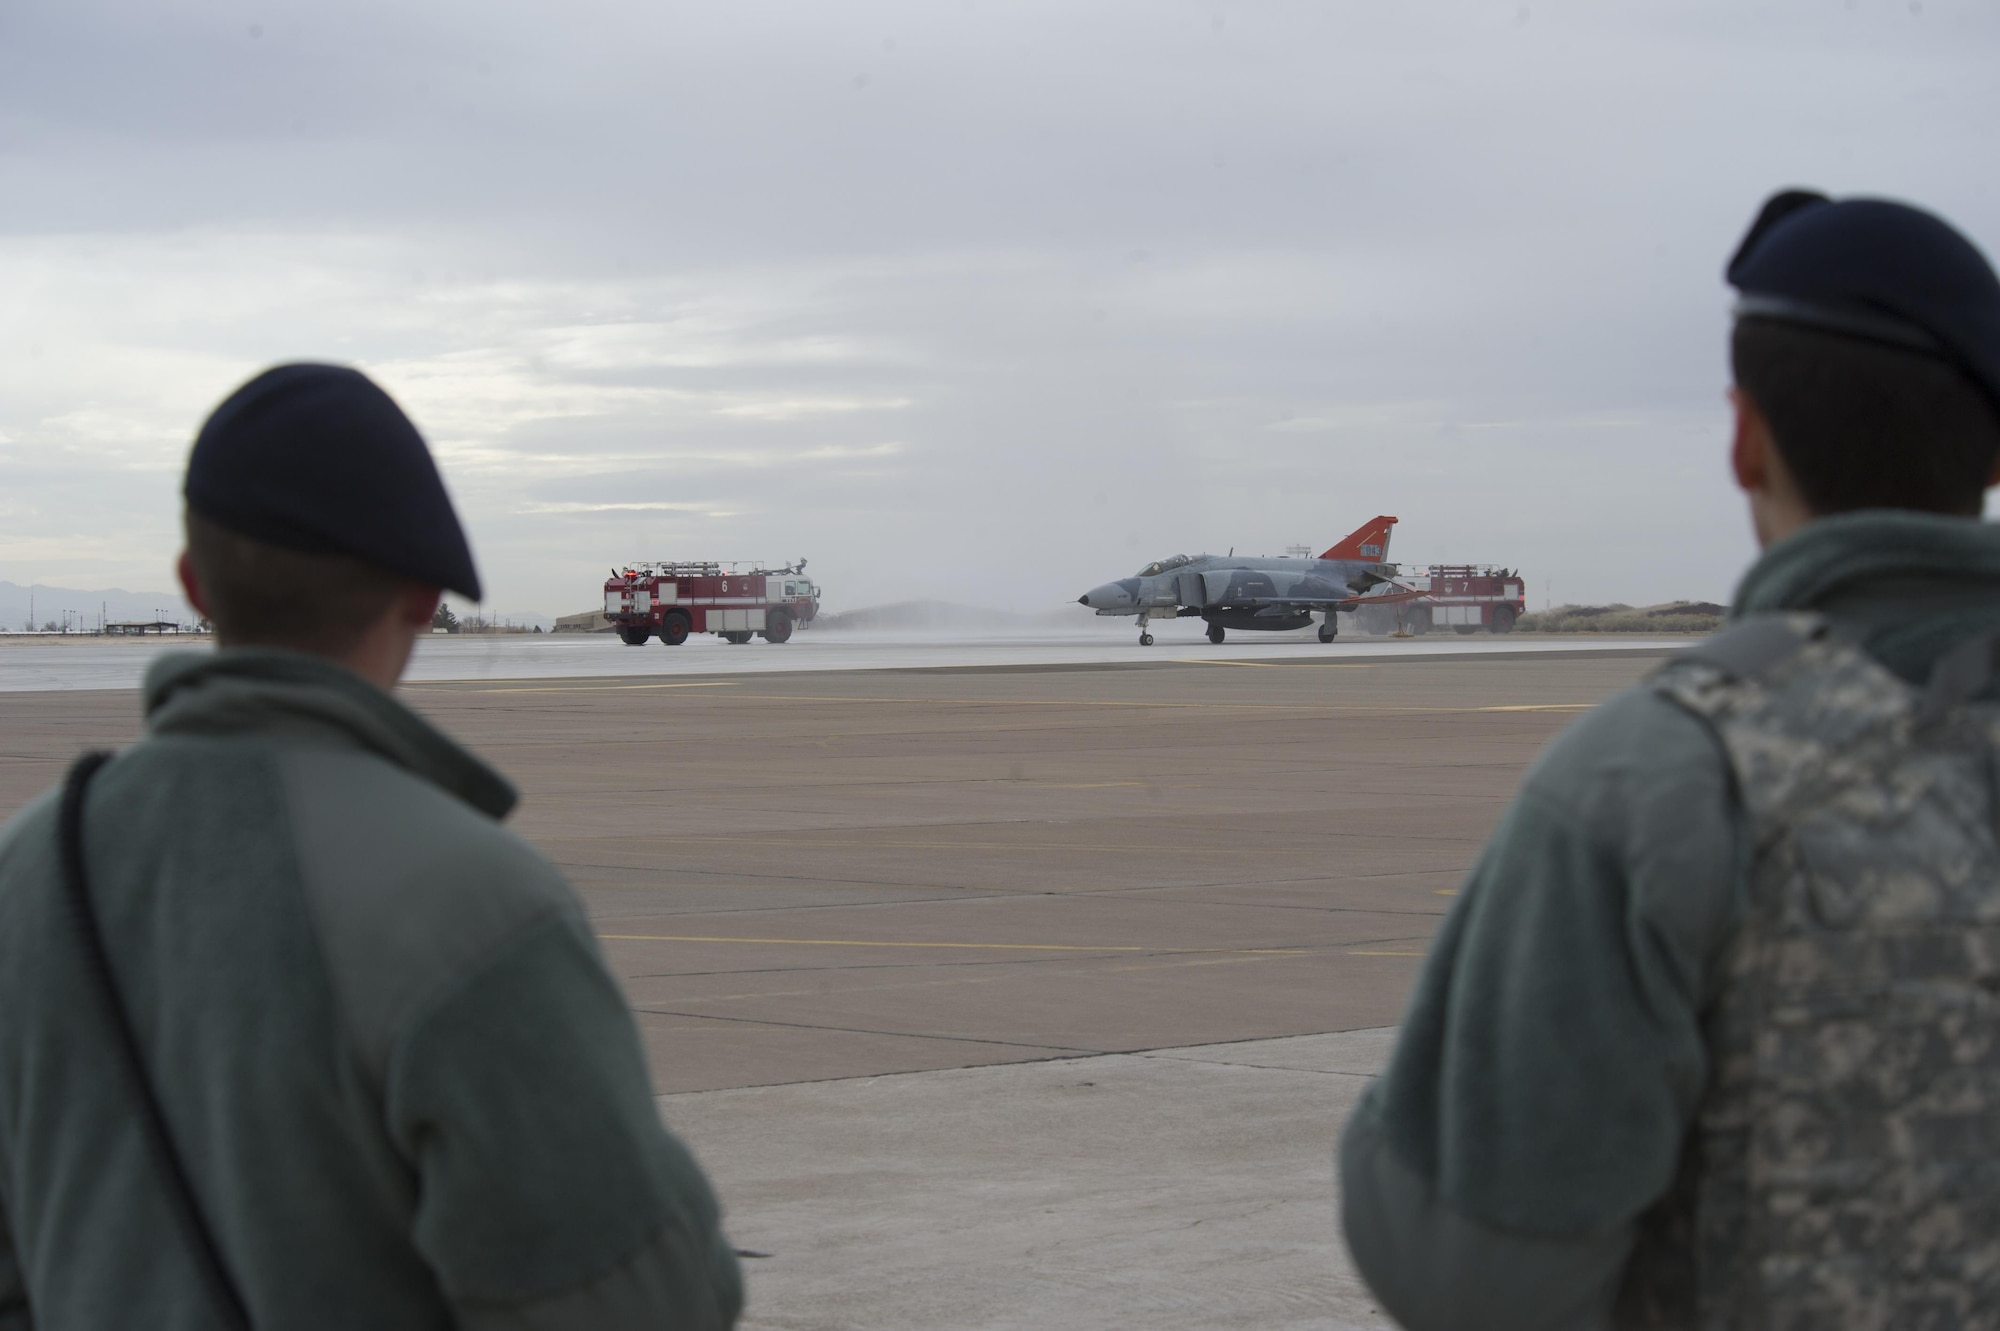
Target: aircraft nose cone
[(1108, 597)]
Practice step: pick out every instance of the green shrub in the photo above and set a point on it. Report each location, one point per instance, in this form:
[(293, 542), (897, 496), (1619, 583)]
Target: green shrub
[(1676, 617)]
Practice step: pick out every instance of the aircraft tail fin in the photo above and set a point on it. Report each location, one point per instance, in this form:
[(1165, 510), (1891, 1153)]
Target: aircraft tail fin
[(1369, 541)]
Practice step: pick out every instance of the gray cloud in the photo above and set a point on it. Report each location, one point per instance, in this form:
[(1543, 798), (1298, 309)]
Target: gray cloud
[(982, 300)]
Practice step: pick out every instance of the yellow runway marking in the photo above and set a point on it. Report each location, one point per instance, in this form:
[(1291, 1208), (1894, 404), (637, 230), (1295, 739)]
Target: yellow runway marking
[(955, 980), (759, 839), (1376, 709), (1380, 709), (1231, 960), (983, 947), (1379, 953), (1281, 665), (610, 688), (1383, 709)]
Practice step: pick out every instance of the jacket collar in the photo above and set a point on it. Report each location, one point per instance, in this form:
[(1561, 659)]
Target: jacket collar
[(1832, 556), (293, 695)]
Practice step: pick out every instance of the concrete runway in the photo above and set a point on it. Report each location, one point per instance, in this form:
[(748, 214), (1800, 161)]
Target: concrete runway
[(1199, 889), (53, 661)]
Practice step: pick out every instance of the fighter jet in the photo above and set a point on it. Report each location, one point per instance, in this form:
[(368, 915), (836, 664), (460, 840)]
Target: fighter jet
[(1263, 594)]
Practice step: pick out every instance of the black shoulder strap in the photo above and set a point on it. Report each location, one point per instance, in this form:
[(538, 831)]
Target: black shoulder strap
[(153, 1122)]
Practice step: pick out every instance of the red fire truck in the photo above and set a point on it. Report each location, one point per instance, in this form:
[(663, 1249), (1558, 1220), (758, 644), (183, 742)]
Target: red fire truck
[(1466, 597), (734, 601)]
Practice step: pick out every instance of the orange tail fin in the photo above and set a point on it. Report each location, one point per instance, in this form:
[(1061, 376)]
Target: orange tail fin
[(1370, 542)]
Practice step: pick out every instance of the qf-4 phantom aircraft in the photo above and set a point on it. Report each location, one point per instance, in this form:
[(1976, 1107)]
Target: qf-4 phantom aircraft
[(1264, 594)]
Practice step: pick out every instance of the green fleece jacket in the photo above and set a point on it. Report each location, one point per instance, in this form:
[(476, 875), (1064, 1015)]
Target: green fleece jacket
[(407, 1090), (1552, 1059)]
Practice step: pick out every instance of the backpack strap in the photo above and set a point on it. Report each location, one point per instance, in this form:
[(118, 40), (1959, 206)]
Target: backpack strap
[(1960, 675), (232, 1314), (1754, 645)]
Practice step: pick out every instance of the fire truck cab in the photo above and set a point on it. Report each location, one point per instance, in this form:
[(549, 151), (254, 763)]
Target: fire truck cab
[(670, 599)]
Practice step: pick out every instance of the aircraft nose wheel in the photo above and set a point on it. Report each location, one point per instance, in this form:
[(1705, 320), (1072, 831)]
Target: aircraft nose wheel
[(1327, 633), (1145, 640)]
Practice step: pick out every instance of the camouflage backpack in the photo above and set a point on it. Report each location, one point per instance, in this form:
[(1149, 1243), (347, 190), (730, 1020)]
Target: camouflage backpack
[(1843, 1169)]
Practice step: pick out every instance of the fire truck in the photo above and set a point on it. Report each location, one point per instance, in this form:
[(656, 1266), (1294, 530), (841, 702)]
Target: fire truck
[(1465, 597), (670, 599)]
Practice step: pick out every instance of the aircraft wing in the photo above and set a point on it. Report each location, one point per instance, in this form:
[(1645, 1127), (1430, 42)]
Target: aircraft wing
[(1282, 590), (1385, 591), (1389, 591), (1310, 602)]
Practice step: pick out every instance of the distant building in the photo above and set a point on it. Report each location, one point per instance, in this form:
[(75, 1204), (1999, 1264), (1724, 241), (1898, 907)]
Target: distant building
[(585, 621)]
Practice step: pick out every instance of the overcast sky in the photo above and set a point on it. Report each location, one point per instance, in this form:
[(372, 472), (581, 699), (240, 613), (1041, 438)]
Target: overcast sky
[(990, 301)]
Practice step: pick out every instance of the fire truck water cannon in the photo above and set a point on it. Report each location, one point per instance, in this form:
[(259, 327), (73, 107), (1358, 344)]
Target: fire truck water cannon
[(671, 598)]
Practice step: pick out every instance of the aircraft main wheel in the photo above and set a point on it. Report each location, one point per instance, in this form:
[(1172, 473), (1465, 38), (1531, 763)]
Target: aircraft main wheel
[(1215, 634), (777, 627), (1466, 628), (674, 629), (1328, 631), (1503, 619), (633, 637), (1145, 640), (736, 639)]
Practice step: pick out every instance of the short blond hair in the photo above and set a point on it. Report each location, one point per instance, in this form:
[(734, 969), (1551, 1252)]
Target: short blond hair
[(261, 595)]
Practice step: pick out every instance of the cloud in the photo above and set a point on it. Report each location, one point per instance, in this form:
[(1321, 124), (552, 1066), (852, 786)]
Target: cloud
[(983, 301), (613, 508), (786, 408)]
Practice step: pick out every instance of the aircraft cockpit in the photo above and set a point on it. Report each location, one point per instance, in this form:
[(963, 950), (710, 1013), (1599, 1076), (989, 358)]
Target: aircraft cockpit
[(1159, 566)]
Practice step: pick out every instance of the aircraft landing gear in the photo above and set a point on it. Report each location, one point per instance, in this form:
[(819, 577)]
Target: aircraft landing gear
[(1329, 630), (1215, 634)]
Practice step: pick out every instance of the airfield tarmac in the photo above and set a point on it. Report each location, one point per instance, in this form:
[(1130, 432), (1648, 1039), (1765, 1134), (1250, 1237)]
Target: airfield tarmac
[(41, 662), (1018, 994)]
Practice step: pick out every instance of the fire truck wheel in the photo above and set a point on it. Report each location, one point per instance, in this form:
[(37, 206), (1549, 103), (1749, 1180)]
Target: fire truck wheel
[(674, 629), (1503, 619), (1215, 634), (633, 637), (777, 626)]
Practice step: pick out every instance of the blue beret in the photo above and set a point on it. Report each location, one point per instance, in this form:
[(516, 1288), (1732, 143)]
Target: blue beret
[(1874, 269), (316, 458)]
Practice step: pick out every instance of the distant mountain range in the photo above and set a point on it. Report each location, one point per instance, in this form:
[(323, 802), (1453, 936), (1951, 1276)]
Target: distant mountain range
[(82, 609)]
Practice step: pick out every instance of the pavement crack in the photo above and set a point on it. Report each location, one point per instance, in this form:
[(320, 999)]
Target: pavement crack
[(1051, 1051), (1261, 1067)]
